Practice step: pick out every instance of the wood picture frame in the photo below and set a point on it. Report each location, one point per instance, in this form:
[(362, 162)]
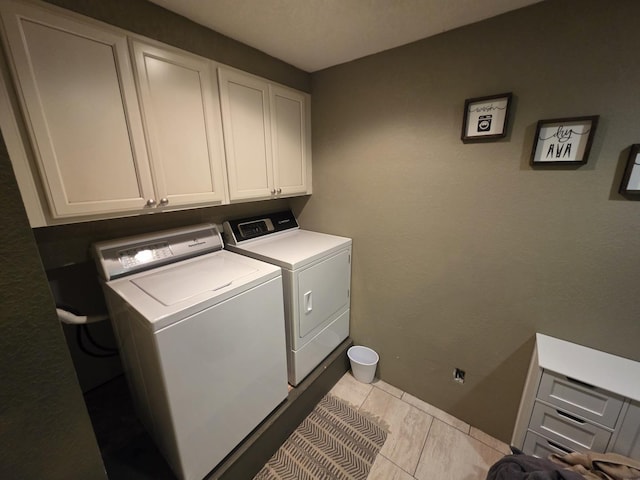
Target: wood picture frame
[(486, 118), (564, 141), (630, 184)]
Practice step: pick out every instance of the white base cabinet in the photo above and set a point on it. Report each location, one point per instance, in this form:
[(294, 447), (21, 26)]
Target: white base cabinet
[(578, 399), (628, 441)]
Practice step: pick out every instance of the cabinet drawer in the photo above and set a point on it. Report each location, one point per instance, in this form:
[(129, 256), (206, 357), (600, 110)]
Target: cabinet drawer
[(567, 429), (584, 400), (541, 447)]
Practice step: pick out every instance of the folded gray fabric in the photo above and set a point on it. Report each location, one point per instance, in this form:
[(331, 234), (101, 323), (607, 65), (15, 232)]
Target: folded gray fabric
[(525, 467)]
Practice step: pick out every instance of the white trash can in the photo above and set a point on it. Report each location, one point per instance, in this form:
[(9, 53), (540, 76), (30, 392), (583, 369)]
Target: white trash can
[(363, 363)]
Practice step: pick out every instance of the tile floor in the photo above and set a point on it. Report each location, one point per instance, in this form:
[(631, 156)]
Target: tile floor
[(423, 443)]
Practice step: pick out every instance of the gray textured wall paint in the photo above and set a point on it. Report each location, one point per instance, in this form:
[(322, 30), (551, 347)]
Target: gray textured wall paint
[(45, 431), (463, 252), (65, 244)]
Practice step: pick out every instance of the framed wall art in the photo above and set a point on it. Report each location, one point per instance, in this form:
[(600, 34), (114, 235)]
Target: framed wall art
[(485, 118), (563, 140), (631, 179)]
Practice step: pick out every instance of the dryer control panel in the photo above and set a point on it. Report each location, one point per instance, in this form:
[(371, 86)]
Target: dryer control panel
[(241, 230)]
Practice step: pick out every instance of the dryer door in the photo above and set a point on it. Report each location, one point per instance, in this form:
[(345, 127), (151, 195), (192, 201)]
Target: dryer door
[(323, 292)]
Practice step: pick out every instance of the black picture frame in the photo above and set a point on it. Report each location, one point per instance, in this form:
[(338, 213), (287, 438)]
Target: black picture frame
[(630, 184), (486, 118), (564, 141)]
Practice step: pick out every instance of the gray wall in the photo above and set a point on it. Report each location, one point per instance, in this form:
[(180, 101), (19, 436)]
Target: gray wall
[(44, 427), (463, 252)]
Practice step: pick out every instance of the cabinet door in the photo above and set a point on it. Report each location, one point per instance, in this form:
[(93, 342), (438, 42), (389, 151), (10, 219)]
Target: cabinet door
[(79, 99), (628, 441), (181, 115), (290, 128), (247, 134)]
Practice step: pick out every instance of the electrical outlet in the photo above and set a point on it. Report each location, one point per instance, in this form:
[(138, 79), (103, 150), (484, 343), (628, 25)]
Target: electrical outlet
[(458, 375)]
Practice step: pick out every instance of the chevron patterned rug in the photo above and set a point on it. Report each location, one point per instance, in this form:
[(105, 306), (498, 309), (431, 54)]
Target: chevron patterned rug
[(335, 442)]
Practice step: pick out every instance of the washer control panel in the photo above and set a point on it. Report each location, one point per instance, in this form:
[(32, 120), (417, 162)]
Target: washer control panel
[(134, 257), (117, 258)]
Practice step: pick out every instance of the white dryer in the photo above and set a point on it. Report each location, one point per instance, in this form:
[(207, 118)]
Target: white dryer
[(201, 334), (316, 272)]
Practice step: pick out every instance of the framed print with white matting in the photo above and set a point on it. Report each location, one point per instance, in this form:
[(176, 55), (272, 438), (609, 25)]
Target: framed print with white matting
[(486, 118), (563, 140)]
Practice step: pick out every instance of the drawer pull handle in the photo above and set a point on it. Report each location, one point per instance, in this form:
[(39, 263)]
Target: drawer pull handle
[(559, 447), (570, 417), (582, 384)]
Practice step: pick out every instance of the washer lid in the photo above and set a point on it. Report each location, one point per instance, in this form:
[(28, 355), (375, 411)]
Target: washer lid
[(171, 293), (188, 280)]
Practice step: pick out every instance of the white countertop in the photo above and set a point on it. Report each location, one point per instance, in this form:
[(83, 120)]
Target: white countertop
[(609, 372)]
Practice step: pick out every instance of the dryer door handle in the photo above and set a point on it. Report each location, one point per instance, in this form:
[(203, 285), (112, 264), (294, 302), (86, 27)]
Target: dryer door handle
[(308, 301)]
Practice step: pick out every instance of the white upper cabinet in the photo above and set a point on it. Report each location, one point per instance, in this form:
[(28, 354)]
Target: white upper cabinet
[(247, 134), (102, 123), (267, 137), (291, 140), (81, 110), (181, 116)]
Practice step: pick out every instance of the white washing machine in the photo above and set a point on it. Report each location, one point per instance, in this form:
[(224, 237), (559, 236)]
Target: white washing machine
[(201, 333), (316, 272)]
